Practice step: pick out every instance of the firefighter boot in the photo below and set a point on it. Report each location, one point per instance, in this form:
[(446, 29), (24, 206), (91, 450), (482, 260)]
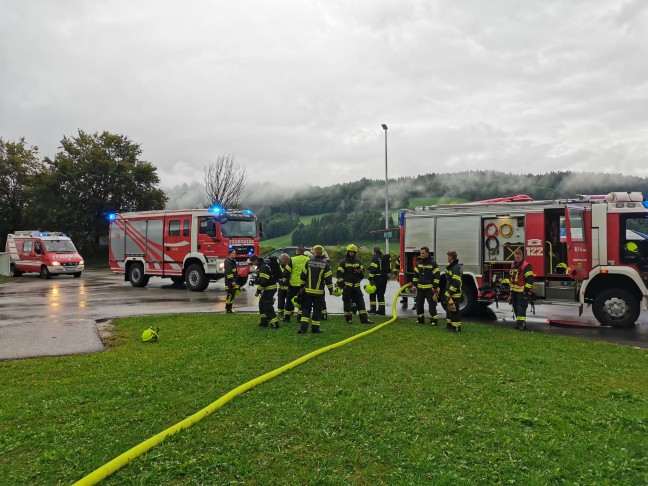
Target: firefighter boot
[(348, 317), (303, 328), (381, 309), (520, 325), (274, 323), (315, 329), (420, 319), (372, 308), (434, 321)]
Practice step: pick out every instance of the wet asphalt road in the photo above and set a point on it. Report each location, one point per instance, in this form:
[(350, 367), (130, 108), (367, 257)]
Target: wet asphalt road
[(60, 316)]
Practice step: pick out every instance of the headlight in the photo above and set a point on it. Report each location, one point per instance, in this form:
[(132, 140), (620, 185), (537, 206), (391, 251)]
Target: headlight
[(221, 267), (81, 262), (56, 264)]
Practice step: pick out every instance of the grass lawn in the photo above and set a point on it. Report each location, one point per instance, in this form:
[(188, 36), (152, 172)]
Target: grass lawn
[(408, 404), (286, 240), (5, 279)]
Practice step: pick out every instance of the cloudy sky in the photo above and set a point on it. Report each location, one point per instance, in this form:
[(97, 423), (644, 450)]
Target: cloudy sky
[(297, 90)]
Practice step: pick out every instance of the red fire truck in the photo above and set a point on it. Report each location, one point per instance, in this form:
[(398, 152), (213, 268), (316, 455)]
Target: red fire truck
[(587, 250), (188, 245)]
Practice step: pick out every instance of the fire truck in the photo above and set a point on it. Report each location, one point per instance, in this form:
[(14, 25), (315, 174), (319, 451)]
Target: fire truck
[(49, 253), (587, 250), (187, 246)]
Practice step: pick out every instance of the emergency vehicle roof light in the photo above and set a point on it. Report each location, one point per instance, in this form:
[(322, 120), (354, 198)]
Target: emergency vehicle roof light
[(111, 216), (645, 204), (215, 209), (248, 211)]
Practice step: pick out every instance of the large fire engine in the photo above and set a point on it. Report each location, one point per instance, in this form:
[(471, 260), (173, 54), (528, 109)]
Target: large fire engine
[(586, 250), (185, 245)]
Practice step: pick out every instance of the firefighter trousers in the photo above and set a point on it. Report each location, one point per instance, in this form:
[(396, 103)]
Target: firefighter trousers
[(266, 308), (423, 295), (312, 307), (289, 308), (229, 298), (377, 299), (353, 295), (520, 303), (282, 294)]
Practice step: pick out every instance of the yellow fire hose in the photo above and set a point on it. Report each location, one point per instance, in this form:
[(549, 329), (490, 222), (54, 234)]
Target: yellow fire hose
[(122, 460)]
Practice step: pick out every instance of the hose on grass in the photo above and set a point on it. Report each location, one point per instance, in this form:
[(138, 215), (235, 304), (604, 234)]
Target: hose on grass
[(122, 460)]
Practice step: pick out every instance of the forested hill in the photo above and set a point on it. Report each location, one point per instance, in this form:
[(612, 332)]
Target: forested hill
[(281, 214)]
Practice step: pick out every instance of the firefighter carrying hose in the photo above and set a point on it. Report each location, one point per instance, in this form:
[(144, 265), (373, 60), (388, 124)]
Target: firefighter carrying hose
[(349, 275), (315, 276), (453, 292), (521, 284), (426, 285)]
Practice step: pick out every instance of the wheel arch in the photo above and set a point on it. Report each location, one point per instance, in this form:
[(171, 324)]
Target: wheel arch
[(604, 281)]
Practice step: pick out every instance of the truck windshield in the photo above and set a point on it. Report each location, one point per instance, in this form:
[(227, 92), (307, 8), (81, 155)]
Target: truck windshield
[(238, 227), (59, 246)]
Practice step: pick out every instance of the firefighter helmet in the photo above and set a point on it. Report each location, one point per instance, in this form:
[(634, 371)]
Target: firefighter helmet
[(561, 268), (352, 247), (150, 334), (370, 289), (632, 247), (337, 292)]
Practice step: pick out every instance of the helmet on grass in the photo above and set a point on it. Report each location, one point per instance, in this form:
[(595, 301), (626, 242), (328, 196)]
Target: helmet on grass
[(150, 334)]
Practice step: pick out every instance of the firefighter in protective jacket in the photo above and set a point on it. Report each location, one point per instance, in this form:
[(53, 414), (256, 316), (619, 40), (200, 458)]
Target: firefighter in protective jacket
[(377, 277), (426, 284), (231, 280), (269, 274), (454, 292), (282, 292), (315, 276), (521, 281), (349, 275)]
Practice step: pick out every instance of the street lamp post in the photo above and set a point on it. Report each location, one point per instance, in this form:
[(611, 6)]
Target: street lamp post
[(386, 196)]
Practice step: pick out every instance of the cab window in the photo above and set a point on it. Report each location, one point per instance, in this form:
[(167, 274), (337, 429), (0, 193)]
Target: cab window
[(174, 227), (27, 246), (185, 227)]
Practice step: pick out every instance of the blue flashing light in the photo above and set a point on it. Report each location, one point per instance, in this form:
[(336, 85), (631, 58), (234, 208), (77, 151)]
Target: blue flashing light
[(251, 251), (248, 211), (215, 209), (645, 204), (111, 216)]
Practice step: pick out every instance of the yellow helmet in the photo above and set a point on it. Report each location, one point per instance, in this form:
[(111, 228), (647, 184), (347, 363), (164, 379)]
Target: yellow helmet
[(352, 247), (370, 289), (150, 334), (337, 292), (318, 247), (632, 247)]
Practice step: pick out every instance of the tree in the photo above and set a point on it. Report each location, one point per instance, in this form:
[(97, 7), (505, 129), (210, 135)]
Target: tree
[(225, 181), (17, 164), (94, 174)]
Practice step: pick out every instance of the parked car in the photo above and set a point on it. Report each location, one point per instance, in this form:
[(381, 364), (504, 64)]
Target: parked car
[(291, 250), (45, 252)]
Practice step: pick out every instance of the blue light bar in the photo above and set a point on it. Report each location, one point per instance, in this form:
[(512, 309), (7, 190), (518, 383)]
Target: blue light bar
[(215, 209), (645, 203), (248, 211), (111, 216)]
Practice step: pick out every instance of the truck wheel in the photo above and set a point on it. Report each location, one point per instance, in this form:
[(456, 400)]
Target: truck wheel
[(136, 275), (469, 300), (13, 272), (195, 278), (44, 272), (616, 307)]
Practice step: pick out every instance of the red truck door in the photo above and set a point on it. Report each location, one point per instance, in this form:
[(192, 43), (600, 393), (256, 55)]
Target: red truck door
[(579, 254), (177, 243)]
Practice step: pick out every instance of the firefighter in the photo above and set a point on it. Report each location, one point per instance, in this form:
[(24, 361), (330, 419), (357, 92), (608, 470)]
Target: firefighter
[(453, 292), (297, 264), (269, 274), (315, 275), (521, 283), (325, 309), (378, 278), (282, 292), (231, 280), (349, 275), (426, 285)]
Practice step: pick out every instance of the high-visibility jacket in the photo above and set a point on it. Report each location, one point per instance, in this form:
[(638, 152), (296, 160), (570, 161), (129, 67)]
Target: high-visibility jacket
[(454, 282), (521, 279), (350, 271), (297, 264), (426, 274), (375, 267), (317, 274), (230, 272)]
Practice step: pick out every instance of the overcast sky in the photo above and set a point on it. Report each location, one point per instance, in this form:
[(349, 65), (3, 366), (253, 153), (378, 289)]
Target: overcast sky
[(297, 90)]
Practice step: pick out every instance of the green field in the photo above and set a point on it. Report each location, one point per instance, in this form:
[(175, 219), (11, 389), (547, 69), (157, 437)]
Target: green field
[(5, 279), (408, 404), (286, 240)]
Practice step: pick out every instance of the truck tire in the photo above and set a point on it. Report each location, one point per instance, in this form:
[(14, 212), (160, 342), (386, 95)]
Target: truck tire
[(469, 301), (616, 308), (44, 272), (136, 275), (13, 272), (195, 278)]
